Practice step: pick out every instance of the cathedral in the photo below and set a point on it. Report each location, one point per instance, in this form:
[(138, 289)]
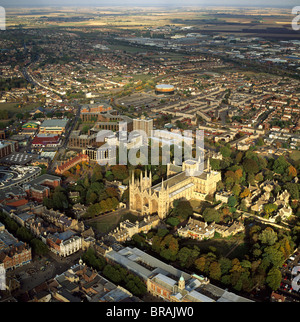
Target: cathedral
[(145, 199)]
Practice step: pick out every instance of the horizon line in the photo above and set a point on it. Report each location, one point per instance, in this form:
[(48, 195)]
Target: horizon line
[(150, 6)]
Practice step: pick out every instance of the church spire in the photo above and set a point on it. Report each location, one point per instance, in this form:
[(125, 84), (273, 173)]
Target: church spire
[(208, 165), (141, 178)]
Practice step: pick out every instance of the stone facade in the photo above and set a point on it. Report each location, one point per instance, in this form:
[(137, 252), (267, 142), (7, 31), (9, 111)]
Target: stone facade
[(197, 229), (128, 229), (147, 199)]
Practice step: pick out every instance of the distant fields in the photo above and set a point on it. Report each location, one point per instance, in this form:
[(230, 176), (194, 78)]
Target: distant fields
[(142, 18)]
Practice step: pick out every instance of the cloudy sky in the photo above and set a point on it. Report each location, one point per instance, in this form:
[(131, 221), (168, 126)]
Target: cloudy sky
[(151, 3)]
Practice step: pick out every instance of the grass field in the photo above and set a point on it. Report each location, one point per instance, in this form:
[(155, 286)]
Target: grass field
[(109, 222), (230, 247), (15, 107), (295, 155)]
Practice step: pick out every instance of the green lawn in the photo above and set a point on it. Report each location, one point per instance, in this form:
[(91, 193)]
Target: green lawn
[(295, 155), (233, 246), (110, 222), (14, 107)]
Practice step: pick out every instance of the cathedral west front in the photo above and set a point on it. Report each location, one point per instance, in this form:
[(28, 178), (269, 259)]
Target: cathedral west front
[(145, 199)]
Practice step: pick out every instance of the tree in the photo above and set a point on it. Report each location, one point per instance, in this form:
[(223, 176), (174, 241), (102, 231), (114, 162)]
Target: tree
[(97, 173), (112, 274), (268, 236), (173, 221), (169, 247), (109, 176), (120, 172), (225, 265), (292, 171), (60, 199), (226, 152), (259, 177), (91, 197), (293, 189), (273, 256), (38, 247), (245, 193), (250, 166), (232, 201), (270, 208), (239, 174), (280, 165), (187, 256), (85, 129), (91, 259), (274, 278), (211, 215), (111, 192), (215, 164), (236, 189), (183, 210), (93, 210), (162, 232), (86, 182), (215, 271), (200, 263), (260, 141), (103, 206), (140, 240), (24, 234), (239, 157), (115, 202)]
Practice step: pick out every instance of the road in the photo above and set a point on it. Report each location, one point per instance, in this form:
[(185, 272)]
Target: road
[(37, 272), (63, 147)]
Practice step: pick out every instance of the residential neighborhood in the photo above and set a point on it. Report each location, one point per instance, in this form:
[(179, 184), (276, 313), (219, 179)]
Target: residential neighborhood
[(149, 156)]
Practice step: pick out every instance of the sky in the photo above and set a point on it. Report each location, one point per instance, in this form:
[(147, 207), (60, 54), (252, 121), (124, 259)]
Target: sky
[(148, 3)]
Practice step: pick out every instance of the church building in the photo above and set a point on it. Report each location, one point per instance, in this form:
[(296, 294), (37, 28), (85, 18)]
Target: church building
[(144, 198)]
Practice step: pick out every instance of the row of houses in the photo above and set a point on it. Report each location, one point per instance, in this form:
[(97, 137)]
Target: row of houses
[(63, 235), (13, 253), (79, 283)]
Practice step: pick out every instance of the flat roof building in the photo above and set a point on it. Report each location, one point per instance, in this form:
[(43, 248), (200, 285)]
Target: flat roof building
[(143, 124), (167, 282), (54, 126)]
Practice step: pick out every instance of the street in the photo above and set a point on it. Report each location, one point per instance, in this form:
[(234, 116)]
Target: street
[(41, 270)]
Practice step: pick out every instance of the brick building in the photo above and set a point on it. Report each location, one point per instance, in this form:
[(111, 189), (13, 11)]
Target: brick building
[(13, 253), (39, 188), (45, 140), (71, 163), (8, 147), (90, 112)]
